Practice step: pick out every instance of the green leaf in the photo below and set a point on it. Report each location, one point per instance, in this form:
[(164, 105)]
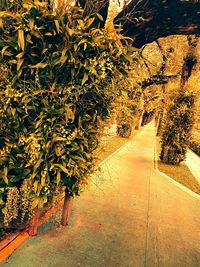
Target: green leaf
[(69, 31), (27, 5), (19, 63), (1, 23), (43, 181), (35, 203), (57, 25), (7, 14), (58, 138), (79, 158), (38, 123), (90, 21), (20, 55), (48, 34), (13, 110), (6, 53), (63, 168), (98, 39), (39, 66), (58, 176), (44, 51), (99, 16), (35, 186), (4, 49), (85, 78), (5, 175)]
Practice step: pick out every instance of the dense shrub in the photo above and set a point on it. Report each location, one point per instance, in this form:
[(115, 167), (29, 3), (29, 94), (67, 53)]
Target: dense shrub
[(56, 69), (176, 134)]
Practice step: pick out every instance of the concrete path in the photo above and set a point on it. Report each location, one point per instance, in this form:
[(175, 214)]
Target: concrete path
[(193, 162), (134, 218)]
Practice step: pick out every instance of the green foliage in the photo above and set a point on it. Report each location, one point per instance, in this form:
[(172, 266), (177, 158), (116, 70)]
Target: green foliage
[(125, 110), (126, 106), (177, 132), (147, 117), (11, 5), (124, 130), (53, 97)]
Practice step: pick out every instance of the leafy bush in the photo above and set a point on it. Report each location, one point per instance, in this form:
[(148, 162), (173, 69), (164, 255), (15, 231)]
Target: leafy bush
[(147, 117), (54, 95), (177, 132), (126, 107), (124, 130)]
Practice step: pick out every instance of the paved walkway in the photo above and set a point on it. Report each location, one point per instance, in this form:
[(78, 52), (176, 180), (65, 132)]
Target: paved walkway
[(134, 218), (193, 162)]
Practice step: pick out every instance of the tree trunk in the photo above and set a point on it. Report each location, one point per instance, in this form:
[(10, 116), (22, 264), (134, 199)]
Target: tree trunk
[(34, 222), (167, 152), (67, 207)]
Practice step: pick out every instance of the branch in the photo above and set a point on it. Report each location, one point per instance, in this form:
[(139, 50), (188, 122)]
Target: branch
[(145, 21), (157, 79)]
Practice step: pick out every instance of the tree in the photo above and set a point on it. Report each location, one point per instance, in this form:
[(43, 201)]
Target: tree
[(177, 131)]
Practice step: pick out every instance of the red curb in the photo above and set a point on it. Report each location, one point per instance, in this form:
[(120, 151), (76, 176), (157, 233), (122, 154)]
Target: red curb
[(8, 250), (11, 243)]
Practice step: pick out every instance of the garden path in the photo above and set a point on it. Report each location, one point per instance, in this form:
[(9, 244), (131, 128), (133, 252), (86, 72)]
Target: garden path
[(132, 217)]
